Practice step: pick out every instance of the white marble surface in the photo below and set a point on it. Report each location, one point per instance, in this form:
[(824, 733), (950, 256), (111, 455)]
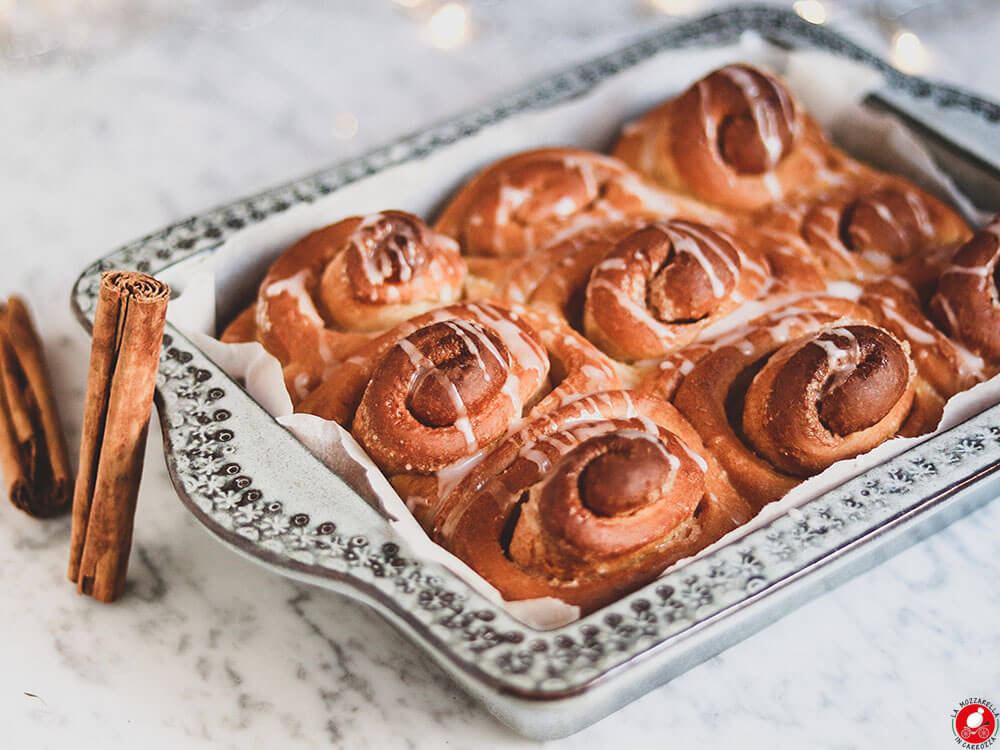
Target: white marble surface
[(120, 129)]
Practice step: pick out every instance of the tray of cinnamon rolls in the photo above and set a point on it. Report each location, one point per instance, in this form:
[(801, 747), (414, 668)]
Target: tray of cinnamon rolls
[(582, 388)]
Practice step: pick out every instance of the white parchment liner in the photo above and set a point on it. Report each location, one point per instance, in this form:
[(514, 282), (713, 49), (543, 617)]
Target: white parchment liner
[(831, 89)]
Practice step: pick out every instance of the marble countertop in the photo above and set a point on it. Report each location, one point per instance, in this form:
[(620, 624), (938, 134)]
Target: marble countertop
[(119, 122)]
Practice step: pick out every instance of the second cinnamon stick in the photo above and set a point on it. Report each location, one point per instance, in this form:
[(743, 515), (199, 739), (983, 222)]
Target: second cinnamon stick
[(32, 449), (128, 334)]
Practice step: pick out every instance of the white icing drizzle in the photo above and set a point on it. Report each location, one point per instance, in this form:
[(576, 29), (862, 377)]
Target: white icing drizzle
[(565, 206), (449, 477), (920, 213), (828, 231), (982, 271), (653, 200), (422, 364), (773, 185), (636, 309), (295, 287), (839, 359), (972, 361), (698, 243), (910, 329), (612, 264), (522, 347), (301, 384), (469, 336), (586, 170), (378, 267), (949, 313), (764, 117), (887, 216)]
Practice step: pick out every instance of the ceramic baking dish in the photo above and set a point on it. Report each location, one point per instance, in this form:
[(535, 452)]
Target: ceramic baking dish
[(259, 491)]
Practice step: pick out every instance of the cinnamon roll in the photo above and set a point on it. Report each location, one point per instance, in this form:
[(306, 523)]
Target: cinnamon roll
[(966, 303), (588, 502), (335, 287), (876, 227), (785, 400), (736, 138), (660, 286), (641, 289)]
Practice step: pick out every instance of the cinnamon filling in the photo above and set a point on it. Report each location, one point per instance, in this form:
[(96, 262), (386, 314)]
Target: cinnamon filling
[(619, 490), (630, 475), (872, 388), (465, 375), (758, 132), (884, 221), (682, 273)]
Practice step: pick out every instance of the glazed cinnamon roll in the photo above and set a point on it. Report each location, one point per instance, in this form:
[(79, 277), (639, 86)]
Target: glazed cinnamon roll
[(872, 228), (588, 502), (966, 303), (641, 289), (784, 401), (525, 201), (335, 287), (660, 286), (736, 138)]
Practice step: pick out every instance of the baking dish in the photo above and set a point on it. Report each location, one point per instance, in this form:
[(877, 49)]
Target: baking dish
[(256, 488)]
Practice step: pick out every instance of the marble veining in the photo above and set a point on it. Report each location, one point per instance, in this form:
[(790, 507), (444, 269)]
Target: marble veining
[(209, 650)]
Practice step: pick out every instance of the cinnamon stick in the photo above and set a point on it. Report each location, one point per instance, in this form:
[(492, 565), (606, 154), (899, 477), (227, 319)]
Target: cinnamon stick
[(124, 358), (32, 447)]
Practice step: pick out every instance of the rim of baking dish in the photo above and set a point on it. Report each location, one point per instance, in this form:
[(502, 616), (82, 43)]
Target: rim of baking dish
[(202, 446)]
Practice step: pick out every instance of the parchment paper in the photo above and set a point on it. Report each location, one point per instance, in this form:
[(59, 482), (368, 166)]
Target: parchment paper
[(830, 88)]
